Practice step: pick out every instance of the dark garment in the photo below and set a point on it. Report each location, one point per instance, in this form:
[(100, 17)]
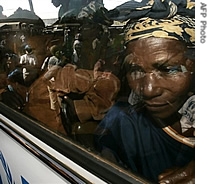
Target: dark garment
[(153, 9), (142, 146)]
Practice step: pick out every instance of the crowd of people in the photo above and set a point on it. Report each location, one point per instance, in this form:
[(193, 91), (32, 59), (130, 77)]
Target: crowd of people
[(145, 112)]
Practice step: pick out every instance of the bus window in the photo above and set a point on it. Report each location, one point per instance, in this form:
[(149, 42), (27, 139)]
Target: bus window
[(95, 77)]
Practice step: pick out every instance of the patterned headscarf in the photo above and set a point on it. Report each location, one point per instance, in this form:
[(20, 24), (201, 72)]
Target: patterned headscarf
[(172, 19), (177, 27)]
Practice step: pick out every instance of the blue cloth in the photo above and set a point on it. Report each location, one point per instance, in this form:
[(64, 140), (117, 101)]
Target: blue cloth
[(141, 145)]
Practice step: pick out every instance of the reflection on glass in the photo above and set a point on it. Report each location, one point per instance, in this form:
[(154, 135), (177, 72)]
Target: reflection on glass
[(78, 70)]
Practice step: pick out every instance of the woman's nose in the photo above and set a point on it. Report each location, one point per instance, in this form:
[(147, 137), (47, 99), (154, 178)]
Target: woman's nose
[(151, 86)]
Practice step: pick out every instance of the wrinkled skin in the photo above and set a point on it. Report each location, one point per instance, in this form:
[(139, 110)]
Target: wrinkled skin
[(160, 73)]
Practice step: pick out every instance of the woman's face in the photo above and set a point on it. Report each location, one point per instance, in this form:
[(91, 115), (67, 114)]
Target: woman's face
[(160, 73)]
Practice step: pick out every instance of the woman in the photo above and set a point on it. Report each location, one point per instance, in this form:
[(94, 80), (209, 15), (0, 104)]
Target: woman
[(152, 134)]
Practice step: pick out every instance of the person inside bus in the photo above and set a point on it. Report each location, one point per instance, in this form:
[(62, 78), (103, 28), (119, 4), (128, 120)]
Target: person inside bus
[(153, 132)]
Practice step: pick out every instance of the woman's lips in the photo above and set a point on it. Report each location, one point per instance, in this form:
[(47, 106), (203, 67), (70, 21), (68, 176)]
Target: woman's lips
[(155, 107)]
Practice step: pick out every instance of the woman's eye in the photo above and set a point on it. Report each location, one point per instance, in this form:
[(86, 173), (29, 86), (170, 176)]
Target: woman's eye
[(170, 69)]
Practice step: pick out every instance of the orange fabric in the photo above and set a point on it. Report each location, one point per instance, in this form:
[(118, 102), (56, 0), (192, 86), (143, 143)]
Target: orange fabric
[(100, 93)]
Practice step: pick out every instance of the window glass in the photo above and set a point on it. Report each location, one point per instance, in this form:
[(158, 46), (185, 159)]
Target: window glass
[(94, 72), (34, 38)]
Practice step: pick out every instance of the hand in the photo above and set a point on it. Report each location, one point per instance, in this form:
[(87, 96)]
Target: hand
[(184, 175), (99, 65), (98, 68)]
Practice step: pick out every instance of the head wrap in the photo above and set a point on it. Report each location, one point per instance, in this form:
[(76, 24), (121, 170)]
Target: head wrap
[(172, 19), (178, 28)]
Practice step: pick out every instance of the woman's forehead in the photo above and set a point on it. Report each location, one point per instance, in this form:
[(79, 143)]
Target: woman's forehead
[(155, 51), (152, 44)]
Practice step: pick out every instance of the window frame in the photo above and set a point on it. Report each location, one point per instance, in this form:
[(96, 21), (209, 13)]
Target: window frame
[(91, 162)]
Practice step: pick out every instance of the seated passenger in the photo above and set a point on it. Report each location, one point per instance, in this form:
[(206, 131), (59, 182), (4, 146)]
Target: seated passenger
[(154, 136)]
